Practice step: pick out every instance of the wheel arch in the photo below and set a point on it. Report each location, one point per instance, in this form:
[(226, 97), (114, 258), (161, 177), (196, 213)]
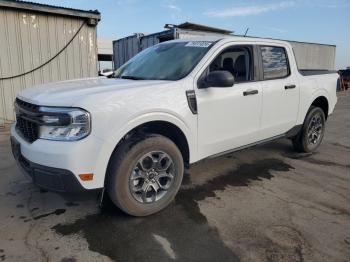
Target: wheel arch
[(321, 102), (164, 128)]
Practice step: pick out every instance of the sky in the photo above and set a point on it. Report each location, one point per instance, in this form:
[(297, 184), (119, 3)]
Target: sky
[(322, 21)]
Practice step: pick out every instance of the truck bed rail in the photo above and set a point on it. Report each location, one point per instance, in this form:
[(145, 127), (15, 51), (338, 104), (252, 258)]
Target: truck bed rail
[(309, 72)]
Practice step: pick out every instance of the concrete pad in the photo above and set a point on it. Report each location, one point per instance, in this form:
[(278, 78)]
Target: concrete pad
[(262, 204)]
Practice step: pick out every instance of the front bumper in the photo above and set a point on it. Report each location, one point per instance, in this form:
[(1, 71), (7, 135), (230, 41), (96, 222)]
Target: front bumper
[(53, 179), (56, 165)]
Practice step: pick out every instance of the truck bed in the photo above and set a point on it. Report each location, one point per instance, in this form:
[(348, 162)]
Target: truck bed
[(309, 72)]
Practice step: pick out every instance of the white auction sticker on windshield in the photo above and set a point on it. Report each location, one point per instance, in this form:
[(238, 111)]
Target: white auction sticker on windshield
[(203, 44)]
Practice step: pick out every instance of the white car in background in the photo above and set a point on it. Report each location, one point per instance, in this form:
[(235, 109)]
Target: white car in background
[(106, 72)]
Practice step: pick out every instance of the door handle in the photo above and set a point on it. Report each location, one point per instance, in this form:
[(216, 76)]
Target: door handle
[(250, 92), (289, 86)]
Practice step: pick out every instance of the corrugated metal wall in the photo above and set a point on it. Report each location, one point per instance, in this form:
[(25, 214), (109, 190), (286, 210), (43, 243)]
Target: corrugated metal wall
[(314, 56), (27, 40), (148, 41), (124, 49)]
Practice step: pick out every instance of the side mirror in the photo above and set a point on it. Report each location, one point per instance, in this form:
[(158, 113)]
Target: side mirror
[(218, 79)]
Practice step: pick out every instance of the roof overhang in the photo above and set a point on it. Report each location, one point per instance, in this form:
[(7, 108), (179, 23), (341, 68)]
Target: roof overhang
[(50, 9), (198, 27)]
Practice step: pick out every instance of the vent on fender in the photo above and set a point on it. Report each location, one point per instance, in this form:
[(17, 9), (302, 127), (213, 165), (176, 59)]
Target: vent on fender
[(192, 101)]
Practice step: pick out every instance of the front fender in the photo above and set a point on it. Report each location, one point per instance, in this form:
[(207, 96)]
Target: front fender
[(121, 130)]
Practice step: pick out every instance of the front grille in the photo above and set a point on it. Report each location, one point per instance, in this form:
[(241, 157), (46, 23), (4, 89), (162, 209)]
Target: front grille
[(26, 125), (27, 106)]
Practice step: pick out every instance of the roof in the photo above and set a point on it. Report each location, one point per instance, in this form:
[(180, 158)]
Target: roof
[(286, 40), (198, 27), (51, 9), (235, 38), (229, 38)]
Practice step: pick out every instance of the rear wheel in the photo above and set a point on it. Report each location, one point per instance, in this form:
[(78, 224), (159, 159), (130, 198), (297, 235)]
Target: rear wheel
[(144, 174), (310, 136)]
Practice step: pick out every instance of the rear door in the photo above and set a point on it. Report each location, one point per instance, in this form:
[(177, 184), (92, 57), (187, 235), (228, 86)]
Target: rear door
[(280, 92)]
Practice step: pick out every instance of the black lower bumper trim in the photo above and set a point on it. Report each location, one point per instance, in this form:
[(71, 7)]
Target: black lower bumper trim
[(48, 178)]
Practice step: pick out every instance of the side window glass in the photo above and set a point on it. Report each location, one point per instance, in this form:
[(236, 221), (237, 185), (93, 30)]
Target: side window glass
[(237, 61), (275, 62)]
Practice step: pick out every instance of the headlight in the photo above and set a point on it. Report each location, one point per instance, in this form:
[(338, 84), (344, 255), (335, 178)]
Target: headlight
[(64, 124)]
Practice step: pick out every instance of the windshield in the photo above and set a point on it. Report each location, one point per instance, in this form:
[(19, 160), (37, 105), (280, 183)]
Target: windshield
[(166, 61)]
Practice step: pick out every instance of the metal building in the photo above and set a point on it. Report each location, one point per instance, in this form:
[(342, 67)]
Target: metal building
[(41, 43), (314, 56), (308, 55), (126, 48), (105, 53)]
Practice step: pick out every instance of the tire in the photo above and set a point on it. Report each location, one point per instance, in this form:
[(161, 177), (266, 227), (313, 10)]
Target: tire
[(130, 173), (311, 134)]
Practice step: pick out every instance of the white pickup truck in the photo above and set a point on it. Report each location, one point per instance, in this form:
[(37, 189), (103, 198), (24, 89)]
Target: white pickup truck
[(171, 105)]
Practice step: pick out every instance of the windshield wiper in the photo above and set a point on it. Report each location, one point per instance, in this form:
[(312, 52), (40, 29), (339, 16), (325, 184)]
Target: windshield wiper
[(132, 77)]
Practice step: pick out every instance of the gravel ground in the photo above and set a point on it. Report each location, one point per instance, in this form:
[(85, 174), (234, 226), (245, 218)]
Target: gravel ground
[(262, 204)]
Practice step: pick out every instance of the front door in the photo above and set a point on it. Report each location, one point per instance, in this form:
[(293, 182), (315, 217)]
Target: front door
[(229, 117)]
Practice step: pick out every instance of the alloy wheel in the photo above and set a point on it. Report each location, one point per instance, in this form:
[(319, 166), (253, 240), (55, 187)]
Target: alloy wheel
[(315, 129), (152, 177)]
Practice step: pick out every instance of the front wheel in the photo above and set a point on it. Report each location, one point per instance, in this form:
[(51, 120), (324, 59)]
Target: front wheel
[(144, 174), (312, 132)]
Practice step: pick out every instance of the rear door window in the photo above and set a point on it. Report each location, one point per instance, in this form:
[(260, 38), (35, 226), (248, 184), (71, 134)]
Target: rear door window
[(275, 62)]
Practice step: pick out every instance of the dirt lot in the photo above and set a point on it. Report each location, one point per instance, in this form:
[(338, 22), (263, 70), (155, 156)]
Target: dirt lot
[(262, 204)]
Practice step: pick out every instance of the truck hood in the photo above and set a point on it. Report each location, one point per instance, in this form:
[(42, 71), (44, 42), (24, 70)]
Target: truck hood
[(68, 93)]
